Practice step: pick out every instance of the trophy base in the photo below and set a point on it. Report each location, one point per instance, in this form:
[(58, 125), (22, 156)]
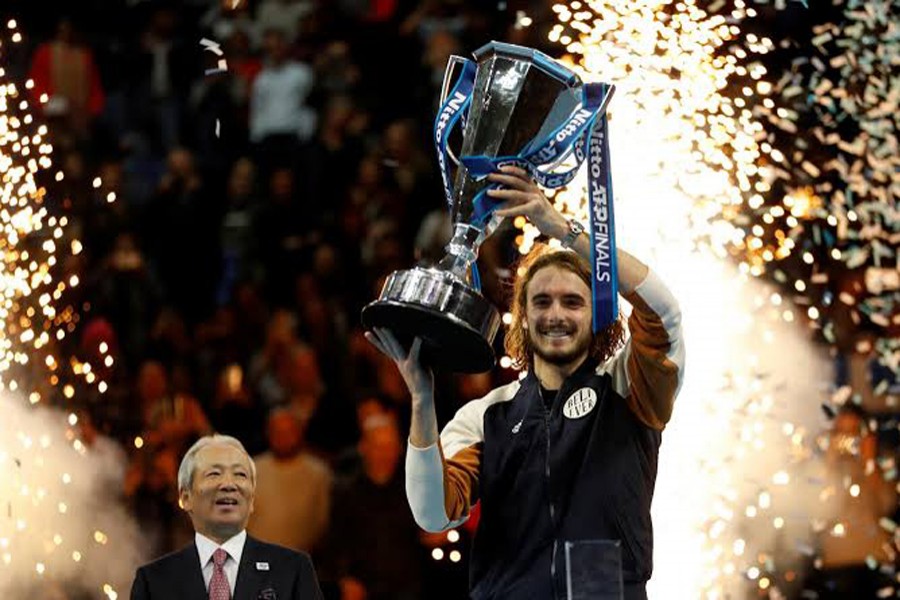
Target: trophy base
[(457, 324)]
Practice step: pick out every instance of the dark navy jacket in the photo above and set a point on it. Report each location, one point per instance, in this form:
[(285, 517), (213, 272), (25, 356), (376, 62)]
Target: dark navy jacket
[(561, 479)]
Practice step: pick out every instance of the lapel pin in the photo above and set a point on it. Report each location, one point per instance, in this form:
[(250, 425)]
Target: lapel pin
[(262, 566)]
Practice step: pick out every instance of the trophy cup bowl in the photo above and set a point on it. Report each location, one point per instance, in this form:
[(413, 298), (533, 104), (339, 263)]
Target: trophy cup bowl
[(519, 96), (455, 322)]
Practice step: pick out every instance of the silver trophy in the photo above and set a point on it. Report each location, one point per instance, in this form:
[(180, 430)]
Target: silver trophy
[(520, 96)]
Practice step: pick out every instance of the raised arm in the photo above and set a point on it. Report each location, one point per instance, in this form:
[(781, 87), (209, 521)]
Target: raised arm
[(522, 197), (440, 490), (650, 369)]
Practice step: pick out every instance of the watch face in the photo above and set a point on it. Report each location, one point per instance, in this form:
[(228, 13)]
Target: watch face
[(575, 228)]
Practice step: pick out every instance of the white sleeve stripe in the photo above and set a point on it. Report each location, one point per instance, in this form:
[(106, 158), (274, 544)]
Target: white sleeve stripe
[(616, 367), (425, 487), (661, 301), (467, 427), (654, 292)]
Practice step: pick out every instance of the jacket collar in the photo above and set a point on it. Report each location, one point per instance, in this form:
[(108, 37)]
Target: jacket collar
[(586, 369)]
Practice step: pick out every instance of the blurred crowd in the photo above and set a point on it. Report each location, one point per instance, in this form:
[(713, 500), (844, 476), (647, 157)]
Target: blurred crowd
[(262, 167)]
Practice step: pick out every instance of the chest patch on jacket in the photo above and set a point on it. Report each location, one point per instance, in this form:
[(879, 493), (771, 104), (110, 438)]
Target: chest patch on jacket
[(580, 403)]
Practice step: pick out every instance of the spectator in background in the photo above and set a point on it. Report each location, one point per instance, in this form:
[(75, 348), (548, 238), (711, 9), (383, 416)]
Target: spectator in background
[(385, 559), (436, 15), (239, 247), (125, 290), (373, 372), (245, 65), (272, 369), (235, 412), (324, 325), (171, 421), (250, 313), (325, 159), (226, 17), (304, 385), (284, 231), (163, 66), (215, 126), (170, 341), (853, 535), (383, 250), (285, 14), (405, 157), (371, 195), (150, 489), (104, 212), (315, 30), (439, 46), (322, 410), (65, 70), (348, 463), (280, 118), (413, 173), (181, 228), (336, 70), (293, 494)]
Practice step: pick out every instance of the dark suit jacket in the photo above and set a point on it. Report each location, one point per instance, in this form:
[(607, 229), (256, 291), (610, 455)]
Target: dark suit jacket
[(178, 576)]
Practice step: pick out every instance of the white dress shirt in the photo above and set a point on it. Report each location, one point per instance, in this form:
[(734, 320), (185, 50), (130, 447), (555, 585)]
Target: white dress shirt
[(234, 547)]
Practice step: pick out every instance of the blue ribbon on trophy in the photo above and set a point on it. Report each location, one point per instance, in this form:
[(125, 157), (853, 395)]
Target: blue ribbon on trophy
[(584, 135), (453, 111)]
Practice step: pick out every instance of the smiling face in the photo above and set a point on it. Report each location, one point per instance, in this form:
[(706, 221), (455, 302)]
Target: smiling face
[(220, 498), (558, 317)]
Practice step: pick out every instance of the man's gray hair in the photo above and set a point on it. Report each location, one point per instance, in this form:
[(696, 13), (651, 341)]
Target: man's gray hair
[(189, 462)]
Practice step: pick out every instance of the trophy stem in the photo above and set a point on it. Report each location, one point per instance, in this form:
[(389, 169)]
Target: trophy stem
[(462, 250)]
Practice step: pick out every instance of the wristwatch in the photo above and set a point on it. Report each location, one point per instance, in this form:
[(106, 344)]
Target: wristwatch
[(575, 229)]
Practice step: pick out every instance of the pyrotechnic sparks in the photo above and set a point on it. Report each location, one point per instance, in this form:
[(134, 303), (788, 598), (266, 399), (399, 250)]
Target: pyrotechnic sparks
[(56, 516), (699, 177)]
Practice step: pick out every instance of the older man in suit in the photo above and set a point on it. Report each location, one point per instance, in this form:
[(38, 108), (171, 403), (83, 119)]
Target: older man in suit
[(216, 483)]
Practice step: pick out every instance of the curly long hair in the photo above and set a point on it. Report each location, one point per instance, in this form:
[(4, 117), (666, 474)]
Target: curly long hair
[(517, 343)]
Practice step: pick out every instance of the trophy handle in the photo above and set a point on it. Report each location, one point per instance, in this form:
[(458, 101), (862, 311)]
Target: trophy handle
[(453, 64), (601, 113)]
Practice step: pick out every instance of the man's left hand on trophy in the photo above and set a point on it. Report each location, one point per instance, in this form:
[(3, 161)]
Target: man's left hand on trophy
[(521, 196)]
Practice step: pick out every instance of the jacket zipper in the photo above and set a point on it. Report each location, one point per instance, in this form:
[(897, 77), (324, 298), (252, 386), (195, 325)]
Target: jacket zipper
[(550, 498)]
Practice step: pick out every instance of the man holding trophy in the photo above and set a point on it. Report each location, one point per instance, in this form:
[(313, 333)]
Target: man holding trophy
[(563, 461)]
